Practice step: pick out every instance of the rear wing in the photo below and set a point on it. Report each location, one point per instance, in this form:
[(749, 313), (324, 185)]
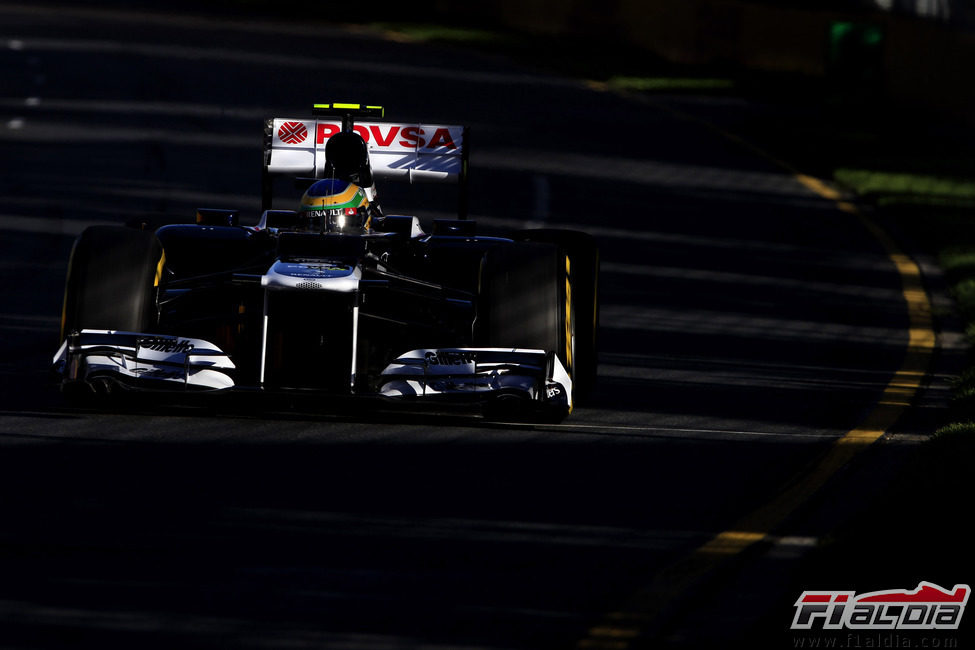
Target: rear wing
[(398, 151)]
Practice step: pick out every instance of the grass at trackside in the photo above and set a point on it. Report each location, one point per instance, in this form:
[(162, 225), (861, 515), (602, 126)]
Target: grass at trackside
[(957, 258), (670, 84), (439, 33), (891, 186)]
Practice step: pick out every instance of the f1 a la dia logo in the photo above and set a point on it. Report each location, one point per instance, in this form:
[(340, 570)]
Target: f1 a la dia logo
[(929, 607)]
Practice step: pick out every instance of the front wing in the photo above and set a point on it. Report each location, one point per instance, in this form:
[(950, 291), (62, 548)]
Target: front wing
[(151, 362)]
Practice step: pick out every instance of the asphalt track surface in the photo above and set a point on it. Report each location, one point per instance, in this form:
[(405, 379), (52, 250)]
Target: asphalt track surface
[(746, 325)]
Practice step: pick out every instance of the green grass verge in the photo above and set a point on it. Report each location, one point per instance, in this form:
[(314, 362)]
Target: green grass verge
[(889, 185), (670, 84), (439, 33)]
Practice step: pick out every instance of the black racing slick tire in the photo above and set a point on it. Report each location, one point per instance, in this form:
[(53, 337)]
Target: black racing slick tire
[(524, 300), (521, 298), (582, 269), (113, 275)]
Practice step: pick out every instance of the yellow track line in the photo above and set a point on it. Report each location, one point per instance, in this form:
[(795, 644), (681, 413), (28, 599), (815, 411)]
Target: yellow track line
[(648, 609)]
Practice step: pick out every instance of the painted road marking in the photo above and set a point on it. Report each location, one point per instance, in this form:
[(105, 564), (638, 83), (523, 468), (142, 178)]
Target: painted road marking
[(649, 609)]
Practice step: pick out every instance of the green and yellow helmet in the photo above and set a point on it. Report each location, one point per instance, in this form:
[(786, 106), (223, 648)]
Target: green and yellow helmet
[(333, 205)]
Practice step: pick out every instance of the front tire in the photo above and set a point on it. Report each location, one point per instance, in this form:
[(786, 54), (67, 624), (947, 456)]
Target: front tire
[(525, 301), (113, 275), (583, 272)]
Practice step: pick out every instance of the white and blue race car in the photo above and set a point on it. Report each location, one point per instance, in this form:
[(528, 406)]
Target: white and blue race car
[(296, 304)]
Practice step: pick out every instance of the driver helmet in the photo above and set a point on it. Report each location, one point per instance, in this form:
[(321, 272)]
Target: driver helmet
[(334, 205)]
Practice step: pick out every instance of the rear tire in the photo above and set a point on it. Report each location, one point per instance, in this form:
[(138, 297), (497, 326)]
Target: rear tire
[(112, 280)]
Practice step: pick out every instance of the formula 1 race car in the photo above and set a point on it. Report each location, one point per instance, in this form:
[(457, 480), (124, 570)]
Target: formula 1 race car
[(338, 298)]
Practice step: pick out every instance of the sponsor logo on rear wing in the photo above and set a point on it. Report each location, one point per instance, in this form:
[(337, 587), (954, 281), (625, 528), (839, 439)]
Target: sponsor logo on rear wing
[(397, 151)]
